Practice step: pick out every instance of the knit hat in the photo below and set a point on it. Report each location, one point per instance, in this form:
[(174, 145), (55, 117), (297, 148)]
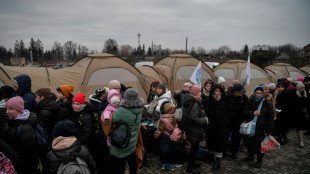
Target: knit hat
[(16, 103), (299, 85), (131, 94), (167, 108), (114, 83), (238, 88), (64, 128), (221, 80), (194, 90), (99, 92), (115, 99), (272, 86), (306, 79), (80, 97), (187, 84), (300, 79), (155, 83), (235, 82), (162, 86), (67, 90)]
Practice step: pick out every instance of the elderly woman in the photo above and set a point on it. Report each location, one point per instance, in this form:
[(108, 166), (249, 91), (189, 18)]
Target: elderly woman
[(264, 125)]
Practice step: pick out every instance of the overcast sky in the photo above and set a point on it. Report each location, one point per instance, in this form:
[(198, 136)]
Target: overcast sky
[(207, 23)]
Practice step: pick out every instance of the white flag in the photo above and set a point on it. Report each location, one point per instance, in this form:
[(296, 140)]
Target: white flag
[(248, 71), (196, 76)]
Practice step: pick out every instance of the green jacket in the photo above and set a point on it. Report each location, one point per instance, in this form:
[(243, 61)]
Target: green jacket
[(127, 115)]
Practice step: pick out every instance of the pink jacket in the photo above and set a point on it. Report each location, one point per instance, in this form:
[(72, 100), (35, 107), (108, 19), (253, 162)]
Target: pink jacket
[(110, 108)]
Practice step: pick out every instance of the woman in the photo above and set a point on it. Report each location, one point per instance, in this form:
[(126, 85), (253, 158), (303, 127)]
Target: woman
[(194, 122), (152, 93), (206, 91), (20, 135), (130, 111), (217, 132), (264, 125), (300, 107), (66, 148), (47, 112)]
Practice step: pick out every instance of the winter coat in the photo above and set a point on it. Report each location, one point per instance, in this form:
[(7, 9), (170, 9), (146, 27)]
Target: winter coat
[(110, 108), (179, 98), (300, 107), (65, 151), (95, 101), (65, 109), (236, 106), (129, 112), (47, 113), (218, 118), (24, 91), (23, 143), (283, 101), (84, 125), (204, 96), (158, 100), (165, 128), (271, 100), (151, 97), (193, 119), (3, 116), (264, 124)]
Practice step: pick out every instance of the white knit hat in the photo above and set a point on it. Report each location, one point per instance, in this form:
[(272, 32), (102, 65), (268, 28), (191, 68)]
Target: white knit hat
[(221, 80)]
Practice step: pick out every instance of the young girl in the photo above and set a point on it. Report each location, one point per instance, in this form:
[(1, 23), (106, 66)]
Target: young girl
[(165, 128), (114, 99), (64, 100)]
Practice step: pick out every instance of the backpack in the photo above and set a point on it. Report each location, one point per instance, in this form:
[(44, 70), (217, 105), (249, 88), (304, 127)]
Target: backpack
[(40, 132), (6, 165), (77, 166), (120, 137)]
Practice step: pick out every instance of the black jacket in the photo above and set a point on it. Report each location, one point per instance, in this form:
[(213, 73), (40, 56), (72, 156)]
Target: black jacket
[(236, 106), (218, 118), (47, 112), (84, 125), (179, 98), (56, 157), (65, 109), (11, 154), (23, 143), (193, 119)]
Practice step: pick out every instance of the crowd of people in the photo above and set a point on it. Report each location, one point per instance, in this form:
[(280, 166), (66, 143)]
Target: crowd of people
[(78, 132)]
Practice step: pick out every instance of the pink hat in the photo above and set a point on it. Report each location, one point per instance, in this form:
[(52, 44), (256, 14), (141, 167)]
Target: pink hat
[(194, 90), (16, 103), (300, 79)]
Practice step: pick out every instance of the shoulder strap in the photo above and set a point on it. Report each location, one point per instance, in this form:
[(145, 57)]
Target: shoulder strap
[(134, 123), (260, 105)]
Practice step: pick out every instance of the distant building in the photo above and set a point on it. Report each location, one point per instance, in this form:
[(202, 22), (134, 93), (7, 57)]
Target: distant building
[(283, 56), (307, 51), (261, 47), (18, 61)]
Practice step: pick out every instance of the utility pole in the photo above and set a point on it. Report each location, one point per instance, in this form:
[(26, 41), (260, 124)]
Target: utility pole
[(186, 46)]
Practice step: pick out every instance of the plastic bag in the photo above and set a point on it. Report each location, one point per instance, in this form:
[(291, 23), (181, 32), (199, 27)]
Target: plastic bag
[(269, 144)]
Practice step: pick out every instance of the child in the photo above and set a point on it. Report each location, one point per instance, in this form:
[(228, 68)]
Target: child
[(165, 128), (96, 98), (114, 99), (64, 100)]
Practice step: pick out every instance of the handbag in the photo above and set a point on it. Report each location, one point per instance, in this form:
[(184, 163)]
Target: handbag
[(248, 128), (176, 133), (120, 137)]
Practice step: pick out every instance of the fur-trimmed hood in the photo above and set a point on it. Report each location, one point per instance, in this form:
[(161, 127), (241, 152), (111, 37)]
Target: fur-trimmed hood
[(132, 103)]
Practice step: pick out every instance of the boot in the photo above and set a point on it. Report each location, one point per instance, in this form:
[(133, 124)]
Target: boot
[(192, 170), (249, 158), (301, 140), (216, 164), (210, 159)]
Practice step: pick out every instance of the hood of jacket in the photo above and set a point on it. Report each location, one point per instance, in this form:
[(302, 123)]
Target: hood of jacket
[(47, 104), (189, 99), (24, 84), (113, 92), (68, 154), (93, 97)]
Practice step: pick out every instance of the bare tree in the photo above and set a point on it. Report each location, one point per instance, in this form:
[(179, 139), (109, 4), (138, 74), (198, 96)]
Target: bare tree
[(58, 51), (201, 51), (110, 46), (68, 48), (125, 50)]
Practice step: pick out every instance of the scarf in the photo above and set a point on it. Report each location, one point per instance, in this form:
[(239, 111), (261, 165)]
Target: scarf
[(301, 94), (258, 88), (205, 92), (217, 97)]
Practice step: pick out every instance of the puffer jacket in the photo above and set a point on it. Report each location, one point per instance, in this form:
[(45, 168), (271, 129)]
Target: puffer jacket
[(193, 119), (24, 91), (65, 151), (65, 109)]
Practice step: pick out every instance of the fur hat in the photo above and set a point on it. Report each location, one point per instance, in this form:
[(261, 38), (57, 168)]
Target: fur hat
[(162, 86), (16, 103), (300, 79), (299, 85), (131, 99), (64, 128), (80, 97), (154, 83), (194, 90), (115, 99), (221, 80), (114, 83), (167, 108), (67, 90)]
